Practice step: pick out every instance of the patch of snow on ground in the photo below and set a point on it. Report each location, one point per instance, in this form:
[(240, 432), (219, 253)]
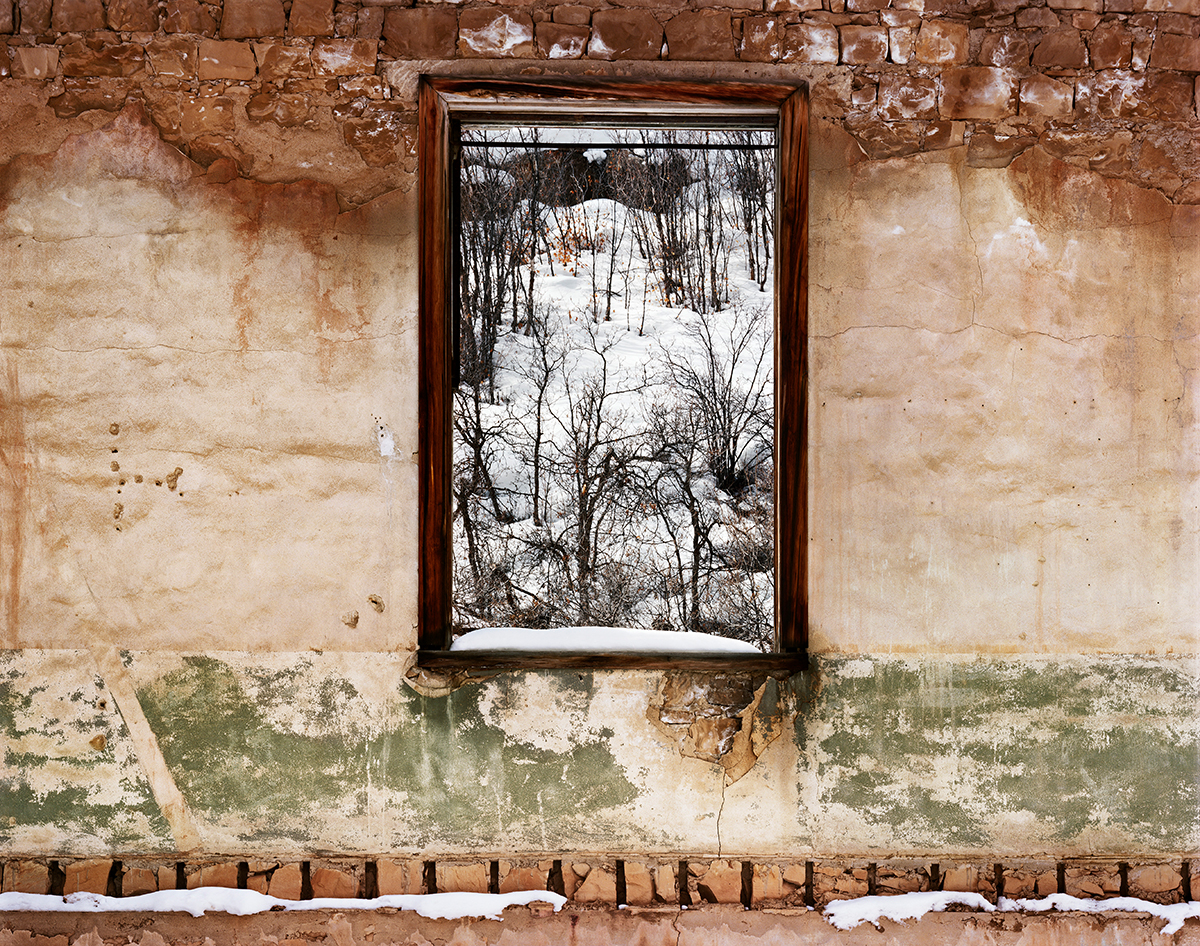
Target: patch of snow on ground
[(602, 639), (201, 900), (847, 914), (1173, 913)]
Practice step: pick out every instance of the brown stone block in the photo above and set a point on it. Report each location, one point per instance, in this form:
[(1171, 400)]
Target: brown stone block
[(1038, 18), (207, 116), (625, 34), (666, 886), (34, 62), (561, 40), (1098, 882), (76, 16), (1061, 49), (488, 33), (515, 877), (278, 63), (1172, 51), (811, 43), (978, 92), (639, 884), (721, 882), (287, 109), (1043, 97), (866, 6), (463, 878), (84, 95), (370, 86), (1111, 46), (133, 15), (892, 881), (792, 6), (1120, 94), (762, 39), (703, 36), (573, 14), (87, 876), (244, 19), (767, 884), (1019, 883), (215, 875), (35, 15), (400, 877), (862, 45), (1107, 151), (26, 877), (173, 56), (1186, 7), (1093, 5), (1160, 883), (225, 60), (1179, 23), (166, 878), (344, 57), (286, 882), (961, 878), (137, 881), (904, 96), (7, 24), (943, 42), (599, 884), (421, 33), (370, 23), (863, 93), (188, 16), (80, 60), (312, 18), (331, 882), (902, 43), (749, 6), (880, 140), (988, 150)]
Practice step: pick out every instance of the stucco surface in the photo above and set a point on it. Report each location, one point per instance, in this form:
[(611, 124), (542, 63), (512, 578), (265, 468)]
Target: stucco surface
[(194, 380), (1015, 757)]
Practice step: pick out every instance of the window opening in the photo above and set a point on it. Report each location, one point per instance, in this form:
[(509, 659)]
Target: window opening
[(617, 387)]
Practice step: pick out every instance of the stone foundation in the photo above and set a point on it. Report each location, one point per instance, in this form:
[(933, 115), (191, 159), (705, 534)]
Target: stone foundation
[(609, 881)]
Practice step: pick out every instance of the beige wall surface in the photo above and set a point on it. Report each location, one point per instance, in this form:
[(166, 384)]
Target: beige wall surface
[(1002, 399)]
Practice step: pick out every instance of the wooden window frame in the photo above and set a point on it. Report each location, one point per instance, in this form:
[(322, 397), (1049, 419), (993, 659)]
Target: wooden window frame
[(445, 101)]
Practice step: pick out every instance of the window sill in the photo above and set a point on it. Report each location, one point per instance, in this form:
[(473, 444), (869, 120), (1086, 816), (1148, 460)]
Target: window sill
[(783, 665)]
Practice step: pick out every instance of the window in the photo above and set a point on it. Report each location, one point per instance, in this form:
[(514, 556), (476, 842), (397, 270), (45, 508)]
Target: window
[(462, 122)]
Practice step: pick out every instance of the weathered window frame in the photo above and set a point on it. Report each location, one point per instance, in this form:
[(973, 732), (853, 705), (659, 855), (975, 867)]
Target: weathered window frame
[(442, 103)]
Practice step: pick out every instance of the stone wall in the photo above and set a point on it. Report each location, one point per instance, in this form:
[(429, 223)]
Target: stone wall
[(207, 563), (1108, 85)]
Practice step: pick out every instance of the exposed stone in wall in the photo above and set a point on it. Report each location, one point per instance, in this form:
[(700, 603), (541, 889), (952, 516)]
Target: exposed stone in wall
[(718, 717), (634, 881), (1111, 71)]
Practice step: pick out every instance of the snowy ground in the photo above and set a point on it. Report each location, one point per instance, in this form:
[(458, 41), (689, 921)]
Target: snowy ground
[(842, 914)]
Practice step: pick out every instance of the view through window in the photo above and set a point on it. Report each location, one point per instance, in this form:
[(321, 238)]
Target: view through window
[(614, 399)]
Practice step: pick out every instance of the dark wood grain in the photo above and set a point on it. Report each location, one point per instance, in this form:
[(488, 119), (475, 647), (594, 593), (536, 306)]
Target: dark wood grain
[(485, 661), (434, 441), (437, 236), (791, 360)]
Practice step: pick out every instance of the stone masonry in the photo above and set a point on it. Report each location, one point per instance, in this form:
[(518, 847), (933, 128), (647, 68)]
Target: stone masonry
[(605, 881), (1109, 85)]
